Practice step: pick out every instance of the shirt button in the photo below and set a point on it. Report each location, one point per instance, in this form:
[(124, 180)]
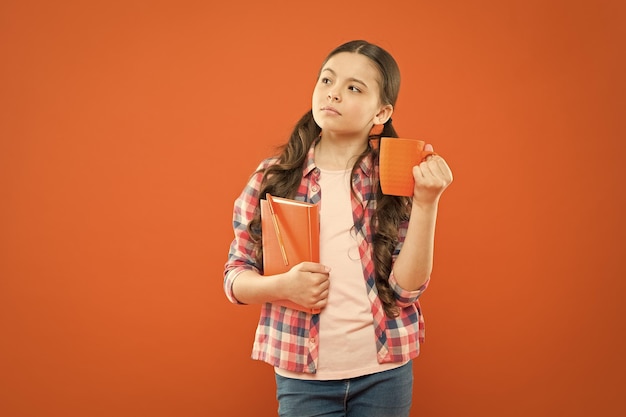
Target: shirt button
[(312, 340), (316, 171), (315, 188)]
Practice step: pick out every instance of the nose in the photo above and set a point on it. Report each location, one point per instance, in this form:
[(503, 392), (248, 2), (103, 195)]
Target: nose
[(332, 96)]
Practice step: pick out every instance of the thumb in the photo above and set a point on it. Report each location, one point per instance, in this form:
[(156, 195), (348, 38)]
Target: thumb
[(428, 147), (315, 267)]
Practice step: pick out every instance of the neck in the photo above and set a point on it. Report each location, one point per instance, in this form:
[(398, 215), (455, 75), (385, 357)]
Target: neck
[(337, 154)]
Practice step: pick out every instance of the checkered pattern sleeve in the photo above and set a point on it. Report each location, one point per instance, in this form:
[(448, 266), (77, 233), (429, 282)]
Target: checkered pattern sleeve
[(241, 253), (404, 298)]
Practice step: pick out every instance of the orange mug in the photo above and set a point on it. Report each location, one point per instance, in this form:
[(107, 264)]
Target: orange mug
[(397, 158)]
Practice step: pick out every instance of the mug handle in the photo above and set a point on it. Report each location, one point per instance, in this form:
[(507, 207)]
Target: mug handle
[(426, 154)]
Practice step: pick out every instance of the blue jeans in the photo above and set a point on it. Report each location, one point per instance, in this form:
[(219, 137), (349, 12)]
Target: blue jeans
[(384, 394)]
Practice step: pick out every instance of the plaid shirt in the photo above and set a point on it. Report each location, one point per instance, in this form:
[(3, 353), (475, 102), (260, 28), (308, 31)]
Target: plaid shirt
[(287, 338)]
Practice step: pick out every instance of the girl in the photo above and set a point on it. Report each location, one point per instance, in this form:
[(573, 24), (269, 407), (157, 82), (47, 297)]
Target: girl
[(376, 250)]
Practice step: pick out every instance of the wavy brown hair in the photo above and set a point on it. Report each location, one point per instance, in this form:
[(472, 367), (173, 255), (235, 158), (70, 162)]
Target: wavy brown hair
[(283, 178)]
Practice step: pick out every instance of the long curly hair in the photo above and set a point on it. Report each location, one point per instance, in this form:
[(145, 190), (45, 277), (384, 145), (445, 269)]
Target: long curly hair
[(283, 178)]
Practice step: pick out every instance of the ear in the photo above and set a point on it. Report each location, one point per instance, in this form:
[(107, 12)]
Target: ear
[(383, 114)]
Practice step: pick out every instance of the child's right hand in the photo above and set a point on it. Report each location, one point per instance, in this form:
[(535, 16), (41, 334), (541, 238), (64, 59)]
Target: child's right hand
[(307, 284)]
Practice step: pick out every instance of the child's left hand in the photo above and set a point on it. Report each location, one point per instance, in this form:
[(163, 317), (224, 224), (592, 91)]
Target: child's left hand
[(432, 177)]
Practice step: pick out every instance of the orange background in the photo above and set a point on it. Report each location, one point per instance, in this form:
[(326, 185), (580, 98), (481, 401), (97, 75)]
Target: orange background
[(128, 128)]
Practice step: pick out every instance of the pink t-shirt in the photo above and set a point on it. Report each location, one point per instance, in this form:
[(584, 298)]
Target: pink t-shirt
[(347, 344)]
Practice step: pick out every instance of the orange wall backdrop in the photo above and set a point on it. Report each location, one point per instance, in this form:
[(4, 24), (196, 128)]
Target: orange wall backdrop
[(128, 128)]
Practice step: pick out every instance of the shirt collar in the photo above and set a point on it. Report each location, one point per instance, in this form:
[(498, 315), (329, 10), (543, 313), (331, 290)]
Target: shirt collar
[(310, 159)]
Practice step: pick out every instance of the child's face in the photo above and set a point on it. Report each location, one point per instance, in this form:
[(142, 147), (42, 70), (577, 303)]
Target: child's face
[(346, 98)]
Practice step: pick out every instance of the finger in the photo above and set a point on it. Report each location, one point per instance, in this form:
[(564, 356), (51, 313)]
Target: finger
[(417, 172), (322, 295), (428, 168), (432, 175), (443, 169), (424, 171), (435, 165), (314, 267)]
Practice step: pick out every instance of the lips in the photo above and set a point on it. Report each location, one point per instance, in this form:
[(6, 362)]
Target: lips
[(330, 110)]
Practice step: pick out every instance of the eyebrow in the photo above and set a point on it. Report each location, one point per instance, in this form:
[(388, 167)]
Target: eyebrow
[(356, 80)]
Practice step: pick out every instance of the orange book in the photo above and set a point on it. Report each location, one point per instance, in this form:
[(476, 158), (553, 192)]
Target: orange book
[(290, 235)]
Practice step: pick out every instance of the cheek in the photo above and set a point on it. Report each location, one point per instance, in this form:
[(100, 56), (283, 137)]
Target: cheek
[(361, 110), (317, 94)]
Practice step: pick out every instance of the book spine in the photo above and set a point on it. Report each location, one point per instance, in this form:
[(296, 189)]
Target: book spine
[(314, 244)]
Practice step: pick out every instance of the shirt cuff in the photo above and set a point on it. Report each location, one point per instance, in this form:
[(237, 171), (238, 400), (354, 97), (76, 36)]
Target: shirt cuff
[(404, 297), (229, 280)]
